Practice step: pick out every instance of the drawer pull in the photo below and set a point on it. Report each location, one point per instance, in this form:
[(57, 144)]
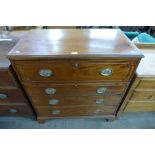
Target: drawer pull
[(99, 101), (3, 96), (50, 91), (76, 65), (45, 72), (53, 101), (97, 111), (101, 90), (106, 72), (13, 111), (55, 112)]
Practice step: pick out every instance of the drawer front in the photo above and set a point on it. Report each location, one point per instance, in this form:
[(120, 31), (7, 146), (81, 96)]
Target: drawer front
[(11, 95), (74, 71), (15, 110), (143, 96), (6, 79), (75, 101), (134, 106), (75, 89), (73, 112), (146, 84)]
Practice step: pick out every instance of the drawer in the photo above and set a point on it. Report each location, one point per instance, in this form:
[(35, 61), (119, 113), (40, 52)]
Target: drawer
[(15, 110), (6, 79), (74, 111), (76, 101), (146, 84), (143, 96), (11, 95), (140, 107), (75, 89), (49, 71)]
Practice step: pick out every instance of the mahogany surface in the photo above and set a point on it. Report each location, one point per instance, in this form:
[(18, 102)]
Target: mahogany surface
[(75, 64)]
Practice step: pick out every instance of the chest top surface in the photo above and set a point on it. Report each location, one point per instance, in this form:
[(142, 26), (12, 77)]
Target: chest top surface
[(67, 43), (146, 67)]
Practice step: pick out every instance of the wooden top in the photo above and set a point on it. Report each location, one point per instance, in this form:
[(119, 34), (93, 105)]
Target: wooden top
[(146, 67), (74, 43), (6, 45)]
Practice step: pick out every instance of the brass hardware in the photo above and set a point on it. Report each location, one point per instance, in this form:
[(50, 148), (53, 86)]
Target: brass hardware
[(45, 72), (99, 101), (97, 111), (3, 96), (106, 72), (53, 101), (56, 112), (101, 90), (13, 111), (76, 65), (50, 91)]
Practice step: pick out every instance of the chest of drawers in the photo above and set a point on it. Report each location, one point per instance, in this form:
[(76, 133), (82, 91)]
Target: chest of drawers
[(141, 96), (75, 73), (13, 101)]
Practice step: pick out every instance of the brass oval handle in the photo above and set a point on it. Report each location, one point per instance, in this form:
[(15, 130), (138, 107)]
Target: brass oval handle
[(56, 112), (53, 102), (100, 101), (50, 91), (76, 65), (106, 72), (97, 111), (13, 111), (45, 72), (3, 96), (101, 90)]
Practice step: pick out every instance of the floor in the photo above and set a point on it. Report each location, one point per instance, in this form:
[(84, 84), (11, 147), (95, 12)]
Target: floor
[(126, 121)]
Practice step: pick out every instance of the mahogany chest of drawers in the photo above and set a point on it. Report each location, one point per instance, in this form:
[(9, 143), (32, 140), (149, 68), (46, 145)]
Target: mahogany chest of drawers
[(141, 95), (75, 73), (13, 101)]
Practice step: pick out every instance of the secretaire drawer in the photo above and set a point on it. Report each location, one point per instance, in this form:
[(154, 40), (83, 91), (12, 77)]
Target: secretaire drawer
[(80, 111), (143, 95), (76, 100), (75, 89), (11, 95), (6, 78), (74, 70)]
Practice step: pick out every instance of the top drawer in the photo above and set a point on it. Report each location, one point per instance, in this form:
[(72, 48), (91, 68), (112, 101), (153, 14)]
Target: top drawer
[(48, 71)]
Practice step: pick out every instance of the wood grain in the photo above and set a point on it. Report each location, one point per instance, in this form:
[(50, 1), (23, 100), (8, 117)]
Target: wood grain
[(75, 58), (74, 43), (143, 96), (81, 111), (16, 110), (140, 106), (77, 100), (67, 70), (13, 95), (9, 84), (146, 84), (76, 89)]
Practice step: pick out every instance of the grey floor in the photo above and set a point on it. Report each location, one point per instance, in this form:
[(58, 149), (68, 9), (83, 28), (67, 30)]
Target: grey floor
[(126, 121)]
